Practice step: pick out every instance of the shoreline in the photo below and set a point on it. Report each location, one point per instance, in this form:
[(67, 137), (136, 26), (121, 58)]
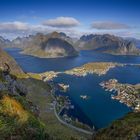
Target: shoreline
[(64, 122), (99, 68), (53, 74), (126, 93), (48, 76), (81, 71)]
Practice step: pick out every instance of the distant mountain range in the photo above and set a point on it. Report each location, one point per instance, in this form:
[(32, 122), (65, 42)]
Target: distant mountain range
[(56, 44), (135, 41), (4, 42), (108, 44), (46, 46)]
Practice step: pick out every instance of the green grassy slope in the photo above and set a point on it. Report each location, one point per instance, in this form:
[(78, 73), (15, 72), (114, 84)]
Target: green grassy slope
[(126, 128)]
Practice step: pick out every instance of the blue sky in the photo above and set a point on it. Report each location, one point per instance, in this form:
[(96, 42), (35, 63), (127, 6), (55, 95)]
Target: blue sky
[(75, 17)]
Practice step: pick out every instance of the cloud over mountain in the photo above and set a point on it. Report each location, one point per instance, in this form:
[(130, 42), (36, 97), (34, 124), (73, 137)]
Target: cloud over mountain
[(12, 26), (108, 25), (63, 22), (14, 29), (11, 30)]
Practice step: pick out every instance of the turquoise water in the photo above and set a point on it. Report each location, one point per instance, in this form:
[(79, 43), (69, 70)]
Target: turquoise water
[(99, 110)]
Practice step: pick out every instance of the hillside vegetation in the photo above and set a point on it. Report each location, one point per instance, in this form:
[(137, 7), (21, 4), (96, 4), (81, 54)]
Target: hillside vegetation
[(127, 128), (6, 60)]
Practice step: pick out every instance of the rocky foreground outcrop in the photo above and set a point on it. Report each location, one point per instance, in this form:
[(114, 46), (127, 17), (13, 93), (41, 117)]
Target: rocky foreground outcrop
[(108, 44), (7, 62), (26, 107)]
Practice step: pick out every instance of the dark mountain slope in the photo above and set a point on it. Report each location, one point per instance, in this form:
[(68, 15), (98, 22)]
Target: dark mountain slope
[(46, 46), (108, 44)]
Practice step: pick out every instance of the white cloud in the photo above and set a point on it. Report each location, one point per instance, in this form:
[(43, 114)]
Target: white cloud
[(11, 30), (12, 26), (14, 29), (63, 22), (108, 25)]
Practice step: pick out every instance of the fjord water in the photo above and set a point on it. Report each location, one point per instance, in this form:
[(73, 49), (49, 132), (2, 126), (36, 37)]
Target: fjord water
[(34, 64), (99, 110)]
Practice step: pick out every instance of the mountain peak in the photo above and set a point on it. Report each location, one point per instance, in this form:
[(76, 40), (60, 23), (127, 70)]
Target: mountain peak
[(108, 44)]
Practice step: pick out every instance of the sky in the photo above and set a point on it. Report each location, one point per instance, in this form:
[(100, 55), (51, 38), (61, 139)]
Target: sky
[(74, 17)]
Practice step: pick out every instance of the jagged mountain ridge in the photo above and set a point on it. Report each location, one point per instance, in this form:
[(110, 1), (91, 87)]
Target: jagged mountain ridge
[(108, 44), (135, 41), (46, 46), (4, 42)]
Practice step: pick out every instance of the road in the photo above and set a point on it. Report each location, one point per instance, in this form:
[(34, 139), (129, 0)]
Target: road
[(69, 125)]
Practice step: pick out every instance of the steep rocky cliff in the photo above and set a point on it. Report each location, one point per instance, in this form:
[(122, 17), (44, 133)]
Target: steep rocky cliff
[(108, 44), (7, 61), (46, 46)]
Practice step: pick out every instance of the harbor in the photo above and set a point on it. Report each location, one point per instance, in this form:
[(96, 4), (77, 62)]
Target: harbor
[(125, 93), (62, 103)]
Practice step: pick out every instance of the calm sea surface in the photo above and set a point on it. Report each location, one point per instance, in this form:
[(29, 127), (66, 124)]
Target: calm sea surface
[(99, 110)]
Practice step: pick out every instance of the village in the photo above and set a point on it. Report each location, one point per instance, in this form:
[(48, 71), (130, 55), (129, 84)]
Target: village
[(126, 93)]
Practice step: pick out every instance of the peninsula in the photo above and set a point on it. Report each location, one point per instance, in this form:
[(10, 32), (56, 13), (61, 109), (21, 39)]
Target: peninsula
[(99, 68), (126, 93)]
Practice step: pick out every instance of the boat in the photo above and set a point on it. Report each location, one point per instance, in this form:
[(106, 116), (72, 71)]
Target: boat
[(84, 97)]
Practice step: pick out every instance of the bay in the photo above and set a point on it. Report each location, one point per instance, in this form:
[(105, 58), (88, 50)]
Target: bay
[(99, 110)]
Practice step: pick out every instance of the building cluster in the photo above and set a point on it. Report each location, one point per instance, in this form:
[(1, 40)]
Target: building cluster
[(126, 93)]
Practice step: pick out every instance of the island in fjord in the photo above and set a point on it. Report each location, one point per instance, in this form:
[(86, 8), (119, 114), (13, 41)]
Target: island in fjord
[(99, 68)]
